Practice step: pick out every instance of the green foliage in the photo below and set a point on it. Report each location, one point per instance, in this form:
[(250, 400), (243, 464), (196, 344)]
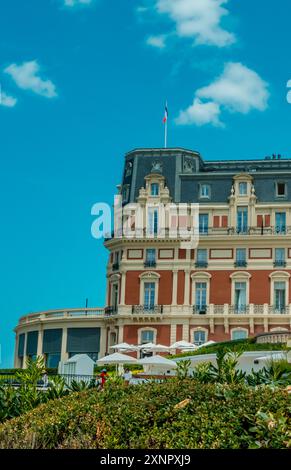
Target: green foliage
[(275, 373), (238, 345), (82, 385), (169, 415), (182, 370)]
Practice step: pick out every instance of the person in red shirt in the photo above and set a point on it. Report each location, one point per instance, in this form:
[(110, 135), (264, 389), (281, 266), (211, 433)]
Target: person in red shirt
[(103, 376)]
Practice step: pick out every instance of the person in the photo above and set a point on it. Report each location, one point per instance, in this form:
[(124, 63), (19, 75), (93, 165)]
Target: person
[(103, 376), (45, 379), (127, 376)]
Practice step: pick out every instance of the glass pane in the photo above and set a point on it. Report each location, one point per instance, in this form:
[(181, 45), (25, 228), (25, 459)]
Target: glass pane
[(201, 255), (147, 337), (241, 254), (154, 189), (149, 295), (203, 223), (199, 337), (239, 334), (151, 254)]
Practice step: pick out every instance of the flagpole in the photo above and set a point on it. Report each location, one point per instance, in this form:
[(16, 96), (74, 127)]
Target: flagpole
[(166, 132)]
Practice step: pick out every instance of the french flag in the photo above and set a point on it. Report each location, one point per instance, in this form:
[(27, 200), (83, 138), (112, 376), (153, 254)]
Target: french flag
[(166, 114)]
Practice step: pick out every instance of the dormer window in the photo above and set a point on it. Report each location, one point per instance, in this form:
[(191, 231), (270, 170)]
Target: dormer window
[(155, 189), (205, 191), (243, 188), (281, 190)]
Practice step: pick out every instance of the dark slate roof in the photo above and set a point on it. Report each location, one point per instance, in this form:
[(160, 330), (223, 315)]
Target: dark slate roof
[(185, 169)]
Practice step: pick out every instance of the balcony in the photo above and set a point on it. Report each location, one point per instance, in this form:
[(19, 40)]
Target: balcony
[(240, 264), (200, 309), (144, 310), (142, 233), (150, 264), (110, 311), (201, 264), (115, 266), (278, 263)]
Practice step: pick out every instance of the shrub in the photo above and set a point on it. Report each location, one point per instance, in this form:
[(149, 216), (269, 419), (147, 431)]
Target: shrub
[(176, 414)]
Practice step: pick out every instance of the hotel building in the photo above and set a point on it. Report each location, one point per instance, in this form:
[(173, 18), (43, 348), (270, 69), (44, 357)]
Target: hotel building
[(234, 284)]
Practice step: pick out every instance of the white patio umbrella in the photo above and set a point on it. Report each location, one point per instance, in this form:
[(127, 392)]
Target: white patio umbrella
[(183, 345), (117, 359), (157, 348), (146, 346), (159, 361), (124, 347)]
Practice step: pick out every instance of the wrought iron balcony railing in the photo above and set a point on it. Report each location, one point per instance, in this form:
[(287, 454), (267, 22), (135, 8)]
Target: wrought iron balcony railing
[(111, 310), (240, 264), (150, 264), (184, 233), (278, 263), (144, 309), (201, 264), (200, 309), (239, 309)]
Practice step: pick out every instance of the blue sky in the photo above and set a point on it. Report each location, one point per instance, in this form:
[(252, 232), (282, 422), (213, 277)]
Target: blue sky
[(84, 83)]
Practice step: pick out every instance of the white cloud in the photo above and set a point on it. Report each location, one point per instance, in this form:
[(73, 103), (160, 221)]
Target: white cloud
[(238, 89), (157, 41), (73, 3), (200, 113), (198, 19), (26, 76), (7, 100)]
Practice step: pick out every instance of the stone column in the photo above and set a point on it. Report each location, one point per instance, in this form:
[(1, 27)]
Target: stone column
[(173, 333), (64, 354), (103, 333), (185, 333), (24, 352), (122, 287), (39, 342)]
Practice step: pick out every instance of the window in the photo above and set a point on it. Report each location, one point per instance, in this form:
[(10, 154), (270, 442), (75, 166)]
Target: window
[(201, 260), (203, 224), (155, 189), (239, 334), (199, 337), (114, 296), (149, 295), (200, 296), (205, 191), (153, 221), (281, 190), (241, 257), (147, 336), (280, 296), (242, 219), (240, 296), (243, 189), (280, 257), (150, 260), (125, 193), (280, 222)]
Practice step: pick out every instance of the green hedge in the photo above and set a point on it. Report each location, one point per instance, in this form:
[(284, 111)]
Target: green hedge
[(235, 345), (147, 416)]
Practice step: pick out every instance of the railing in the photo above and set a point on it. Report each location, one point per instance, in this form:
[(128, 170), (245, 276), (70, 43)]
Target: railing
[(150, 264), (279, 264), (185, 232), (240, 264), (65, 313), (201, 264), (239, 310), (111, 310), (144, 310), (12, 380), (200, 310)]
